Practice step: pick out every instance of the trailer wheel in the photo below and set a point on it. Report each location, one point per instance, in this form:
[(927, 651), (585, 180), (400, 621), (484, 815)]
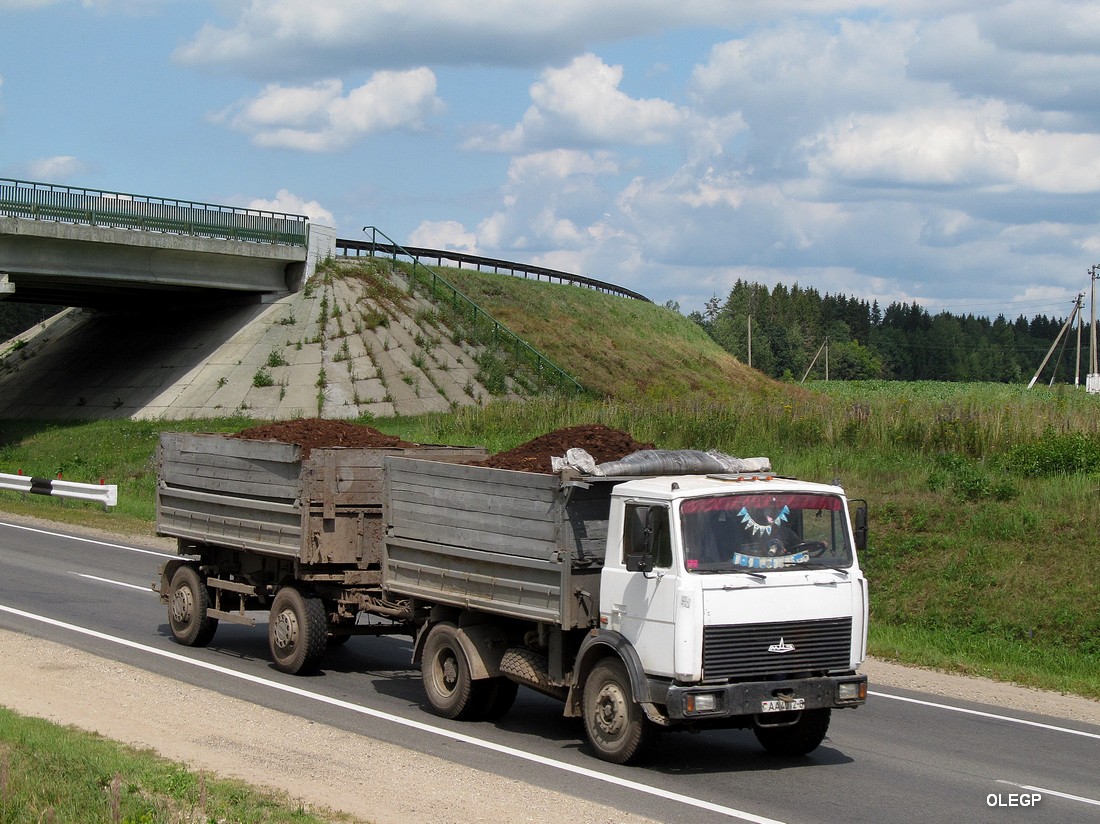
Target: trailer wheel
[(188, 601), (800, 738), (451, 692), (297, 631), (616, 726)]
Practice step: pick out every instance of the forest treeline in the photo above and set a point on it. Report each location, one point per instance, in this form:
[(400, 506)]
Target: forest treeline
[(902, 342)]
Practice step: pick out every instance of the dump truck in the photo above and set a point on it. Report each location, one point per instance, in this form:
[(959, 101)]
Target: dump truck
[(668, 597)]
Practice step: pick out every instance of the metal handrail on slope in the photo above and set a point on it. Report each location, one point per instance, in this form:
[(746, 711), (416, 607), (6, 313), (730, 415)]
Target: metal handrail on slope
[(441, 289), (118, 210), (496, 264)]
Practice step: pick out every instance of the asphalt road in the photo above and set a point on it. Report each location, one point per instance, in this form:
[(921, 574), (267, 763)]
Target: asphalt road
[(904, 757)]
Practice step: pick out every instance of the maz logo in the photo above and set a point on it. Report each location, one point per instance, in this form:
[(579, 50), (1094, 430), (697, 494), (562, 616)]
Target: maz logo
[(781, 647)]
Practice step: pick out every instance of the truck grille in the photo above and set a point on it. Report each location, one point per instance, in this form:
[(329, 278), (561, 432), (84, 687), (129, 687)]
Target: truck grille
[(747, 650)]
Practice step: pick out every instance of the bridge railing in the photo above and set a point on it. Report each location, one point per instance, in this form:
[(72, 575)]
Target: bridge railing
[(91, 207), (443, 291), (479, 262)]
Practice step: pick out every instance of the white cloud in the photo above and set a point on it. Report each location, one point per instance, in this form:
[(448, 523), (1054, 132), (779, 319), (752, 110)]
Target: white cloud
[(18, 5), (291, 204), (444, 234), (581, 104), (289, 36), (559, 165), (321, 118), (965, 146), (60, 169)]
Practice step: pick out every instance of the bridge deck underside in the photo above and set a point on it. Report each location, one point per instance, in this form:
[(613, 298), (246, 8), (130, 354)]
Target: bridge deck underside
[(88, 266)]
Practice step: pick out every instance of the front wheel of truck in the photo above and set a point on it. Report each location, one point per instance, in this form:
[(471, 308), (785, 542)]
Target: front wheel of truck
[(800, 738), (450, 689), (617, 727), (297, 631), (188, 601)]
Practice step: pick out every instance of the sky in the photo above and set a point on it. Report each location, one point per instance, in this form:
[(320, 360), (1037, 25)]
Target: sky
[(939, 152)]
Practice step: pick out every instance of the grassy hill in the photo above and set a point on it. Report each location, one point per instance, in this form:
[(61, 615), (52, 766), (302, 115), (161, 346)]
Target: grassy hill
[(618, 347)]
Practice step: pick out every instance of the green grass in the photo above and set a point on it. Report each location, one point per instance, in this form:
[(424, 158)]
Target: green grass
[(54, 773)]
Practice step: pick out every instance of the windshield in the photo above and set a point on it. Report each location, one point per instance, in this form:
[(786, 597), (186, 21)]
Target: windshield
[(765, 531)]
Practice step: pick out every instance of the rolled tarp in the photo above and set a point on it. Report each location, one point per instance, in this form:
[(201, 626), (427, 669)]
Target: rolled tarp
[(663, 462)]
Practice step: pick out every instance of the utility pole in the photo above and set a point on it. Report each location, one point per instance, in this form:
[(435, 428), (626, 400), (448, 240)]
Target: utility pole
[(1093, 274), (750, 341), (1065, 328), (1080, 323), (824, 347)]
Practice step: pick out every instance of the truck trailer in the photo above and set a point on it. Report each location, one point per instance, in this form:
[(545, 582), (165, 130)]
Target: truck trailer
[(679, 599)]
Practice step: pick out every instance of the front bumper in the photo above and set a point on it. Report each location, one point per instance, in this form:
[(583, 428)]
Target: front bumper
[(746, 699)]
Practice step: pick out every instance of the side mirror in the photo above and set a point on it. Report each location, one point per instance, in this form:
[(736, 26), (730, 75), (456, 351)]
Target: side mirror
[(639, 562), (861, 526)]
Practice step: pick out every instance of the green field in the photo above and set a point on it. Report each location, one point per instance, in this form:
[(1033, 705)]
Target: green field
[(983, 555)]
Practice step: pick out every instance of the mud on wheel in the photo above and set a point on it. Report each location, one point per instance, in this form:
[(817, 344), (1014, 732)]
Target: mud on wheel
[(188, 602), (297, 631), (616, 725)]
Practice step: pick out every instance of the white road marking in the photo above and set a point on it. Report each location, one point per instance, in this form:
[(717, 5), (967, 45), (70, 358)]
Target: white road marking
[(981, 714), (116, 583), (407, 722), (1046, 792), (89, 540)]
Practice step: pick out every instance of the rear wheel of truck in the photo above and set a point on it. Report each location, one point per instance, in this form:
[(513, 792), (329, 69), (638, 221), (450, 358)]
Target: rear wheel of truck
[(188, 602), (451, 692), (617, 727), (497, 696), (800, 738), (297, 631)]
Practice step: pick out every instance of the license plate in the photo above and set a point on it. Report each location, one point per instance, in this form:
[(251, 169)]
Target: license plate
[(783, 706)]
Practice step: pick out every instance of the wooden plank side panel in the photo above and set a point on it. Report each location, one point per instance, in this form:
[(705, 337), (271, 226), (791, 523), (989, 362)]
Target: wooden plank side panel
[(264, 469), (430, 518), (357, 474), (485, 581), (274, 451), (478, 513), (228, 527)]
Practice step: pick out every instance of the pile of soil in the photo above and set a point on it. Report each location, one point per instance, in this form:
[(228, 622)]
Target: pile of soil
[(316, 433), (601, 442)]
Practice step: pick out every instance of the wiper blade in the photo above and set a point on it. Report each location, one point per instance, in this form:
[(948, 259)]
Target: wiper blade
[(759, 576), (827, 567)]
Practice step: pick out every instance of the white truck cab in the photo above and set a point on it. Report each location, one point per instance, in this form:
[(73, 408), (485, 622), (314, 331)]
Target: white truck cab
[(743, 599)]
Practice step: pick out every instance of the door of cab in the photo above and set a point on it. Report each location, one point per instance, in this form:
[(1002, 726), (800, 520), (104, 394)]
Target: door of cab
[(638, 593)]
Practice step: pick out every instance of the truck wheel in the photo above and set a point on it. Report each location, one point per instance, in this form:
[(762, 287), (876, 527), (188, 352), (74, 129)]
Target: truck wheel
[(451, 691), (497, 696), (188, 601), (297, 631), (616, 726), (800, 738)]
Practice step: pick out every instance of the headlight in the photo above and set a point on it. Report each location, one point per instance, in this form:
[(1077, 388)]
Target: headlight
[(701, 702), (851, 691)]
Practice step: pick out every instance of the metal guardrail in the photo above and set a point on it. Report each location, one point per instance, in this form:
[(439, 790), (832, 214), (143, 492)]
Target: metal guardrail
[(106, 494), (444, 291), (92, 207), (478, 261)]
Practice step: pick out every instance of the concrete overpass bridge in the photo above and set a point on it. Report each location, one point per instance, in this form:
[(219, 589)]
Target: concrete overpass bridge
[(70, 246)]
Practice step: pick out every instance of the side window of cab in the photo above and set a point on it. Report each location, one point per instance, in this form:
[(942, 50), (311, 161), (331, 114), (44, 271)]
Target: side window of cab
[(647, 529)]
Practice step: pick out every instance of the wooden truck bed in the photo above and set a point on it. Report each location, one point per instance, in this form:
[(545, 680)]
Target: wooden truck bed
[(263, 497), (513, 543)]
